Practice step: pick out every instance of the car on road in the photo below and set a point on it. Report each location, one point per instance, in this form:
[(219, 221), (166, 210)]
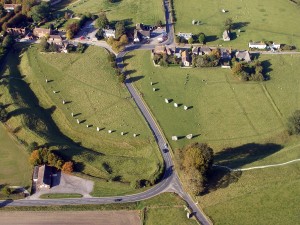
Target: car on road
[(118, 199), (82, 38)]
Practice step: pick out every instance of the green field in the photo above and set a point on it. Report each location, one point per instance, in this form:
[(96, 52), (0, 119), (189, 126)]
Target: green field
[(60, 195), (87, 83), (260, 20), (249, 117), (133, 11), (14, 165)]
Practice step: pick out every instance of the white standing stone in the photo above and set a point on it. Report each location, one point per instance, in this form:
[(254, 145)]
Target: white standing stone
[(174, 138), (166, 100), (175, 105), (78, 121), (151, 83), (189, 136), (64, 102), (46, 80), (109, 131), (98, 128), (87, 126), (134, 135), (54, 92), (185, 107), (72, 114), (154, 89), (122, 133)]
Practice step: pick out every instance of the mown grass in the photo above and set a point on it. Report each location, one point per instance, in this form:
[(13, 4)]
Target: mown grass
[(14, 165), (132, 11), (244, 122), (98, 98), (259, 20), (60, 195)]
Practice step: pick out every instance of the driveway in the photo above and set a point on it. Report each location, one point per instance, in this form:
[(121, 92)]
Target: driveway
[(65, 183)]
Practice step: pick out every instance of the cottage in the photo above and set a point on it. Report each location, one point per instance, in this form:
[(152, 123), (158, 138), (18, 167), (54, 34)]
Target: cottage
[(225, 57), (159, 49), (107, 33), (243, 56), (186, 36), (142, 32), (195, 50), (41, 32), (257, 45), (226, 35), (44, 177), (55, 39), (185, 58), (11, 7), (275, 46), (204, 50), (16, 31)]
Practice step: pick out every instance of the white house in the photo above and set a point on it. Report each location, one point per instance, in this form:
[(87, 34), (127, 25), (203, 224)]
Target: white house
[(275, 46), (107, 33), (186, 36), (258, 45)]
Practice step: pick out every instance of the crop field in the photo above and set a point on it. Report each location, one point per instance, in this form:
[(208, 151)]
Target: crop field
[(88, 85), (14, 165), (258, 20), (132, 11), (245, 124)]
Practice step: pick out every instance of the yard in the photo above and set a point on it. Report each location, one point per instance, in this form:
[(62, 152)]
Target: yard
[(258, 20), (244, 122), (96, 99), (14, 166), (133, 11)]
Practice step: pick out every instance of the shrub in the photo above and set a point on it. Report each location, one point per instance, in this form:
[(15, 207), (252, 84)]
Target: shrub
[(294, 123)]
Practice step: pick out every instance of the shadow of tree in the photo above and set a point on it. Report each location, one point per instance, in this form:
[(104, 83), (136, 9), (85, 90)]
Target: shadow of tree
[(134, 79), (239, 25)]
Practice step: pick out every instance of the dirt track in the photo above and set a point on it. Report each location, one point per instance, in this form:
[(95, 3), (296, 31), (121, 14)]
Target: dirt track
[(77, 217)]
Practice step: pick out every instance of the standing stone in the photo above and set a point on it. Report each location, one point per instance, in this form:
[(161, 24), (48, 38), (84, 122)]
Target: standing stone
[(166, 100), (64, 102), (87, 126), (189, 136), (109, 131), (98, 128), (175, 105), (185, 107), (54, 92), (122, 133), (78, 121), (154, 89), (72, 114), (174, 138), (134, 135), (151, 83), (46, 80)]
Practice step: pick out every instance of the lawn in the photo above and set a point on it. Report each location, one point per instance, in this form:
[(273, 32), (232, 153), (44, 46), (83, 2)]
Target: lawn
[(60, 195), (15, 169), (260, 20), (244, 122), (133, 11), (92, 92)]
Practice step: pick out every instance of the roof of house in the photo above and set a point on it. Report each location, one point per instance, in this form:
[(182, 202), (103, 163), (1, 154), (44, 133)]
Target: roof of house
[(41, 31), (159, 49), (195, 50), (225, 53), (185, 56), (109, 31), (257, 43), (44, 175), (243, 55), (145, 33), (205, 49), (11, 6), (35, 172), (226, 35)]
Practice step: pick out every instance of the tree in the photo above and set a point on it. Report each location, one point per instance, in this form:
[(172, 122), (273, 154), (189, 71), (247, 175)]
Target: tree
[(40, 12), (3, 113), (67, 167), (100, 34), (52, 159), (124, 39), (2, 11), (228, 24), (32, 146), (102, 21), (294, 123), (237, 68), (201, 38), (177, 39), (197, 160), (35, 158), (120, 29), (159, 23), (44, 45), (191, 40), (69, 34)]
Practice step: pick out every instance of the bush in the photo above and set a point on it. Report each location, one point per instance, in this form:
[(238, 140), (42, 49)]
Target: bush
[(67, 167), (294, 123)]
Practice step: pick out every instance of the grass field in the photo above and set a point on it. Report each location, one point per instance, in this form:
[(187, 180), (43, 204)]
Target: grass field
[(14, 166), (133, 11), (95, 96), (249, 117), (260, 20), (169, 208)]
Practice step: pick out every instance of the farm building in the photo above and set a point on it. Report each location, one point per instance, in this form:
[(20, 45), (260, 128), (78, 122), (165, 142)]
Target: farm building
[(41, 32), (258, 45), (107, 33), (226, 35), (44, 177), (186, 36), (243, 56)]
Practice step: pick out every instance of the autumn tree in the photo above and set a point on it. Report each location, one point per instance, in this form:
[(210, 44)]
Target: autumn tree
[(120, 29), (67, 167), (196, 161), (35, 158)]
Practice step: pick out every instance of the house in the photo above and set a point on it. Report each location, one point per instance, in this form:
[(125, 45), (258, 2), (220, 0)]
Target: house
[(35, 173), (243, 56), (44, 177), (65, 46), (186, 36), (107, 33), (142, 32), (226, 35), (195, 50), (225, 57), (204, 50), (16, 31), (11, 7), (258, 45), (41, 32), (177, 53), (185, 58), (159, 49), (275, 46), (55, 39)]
